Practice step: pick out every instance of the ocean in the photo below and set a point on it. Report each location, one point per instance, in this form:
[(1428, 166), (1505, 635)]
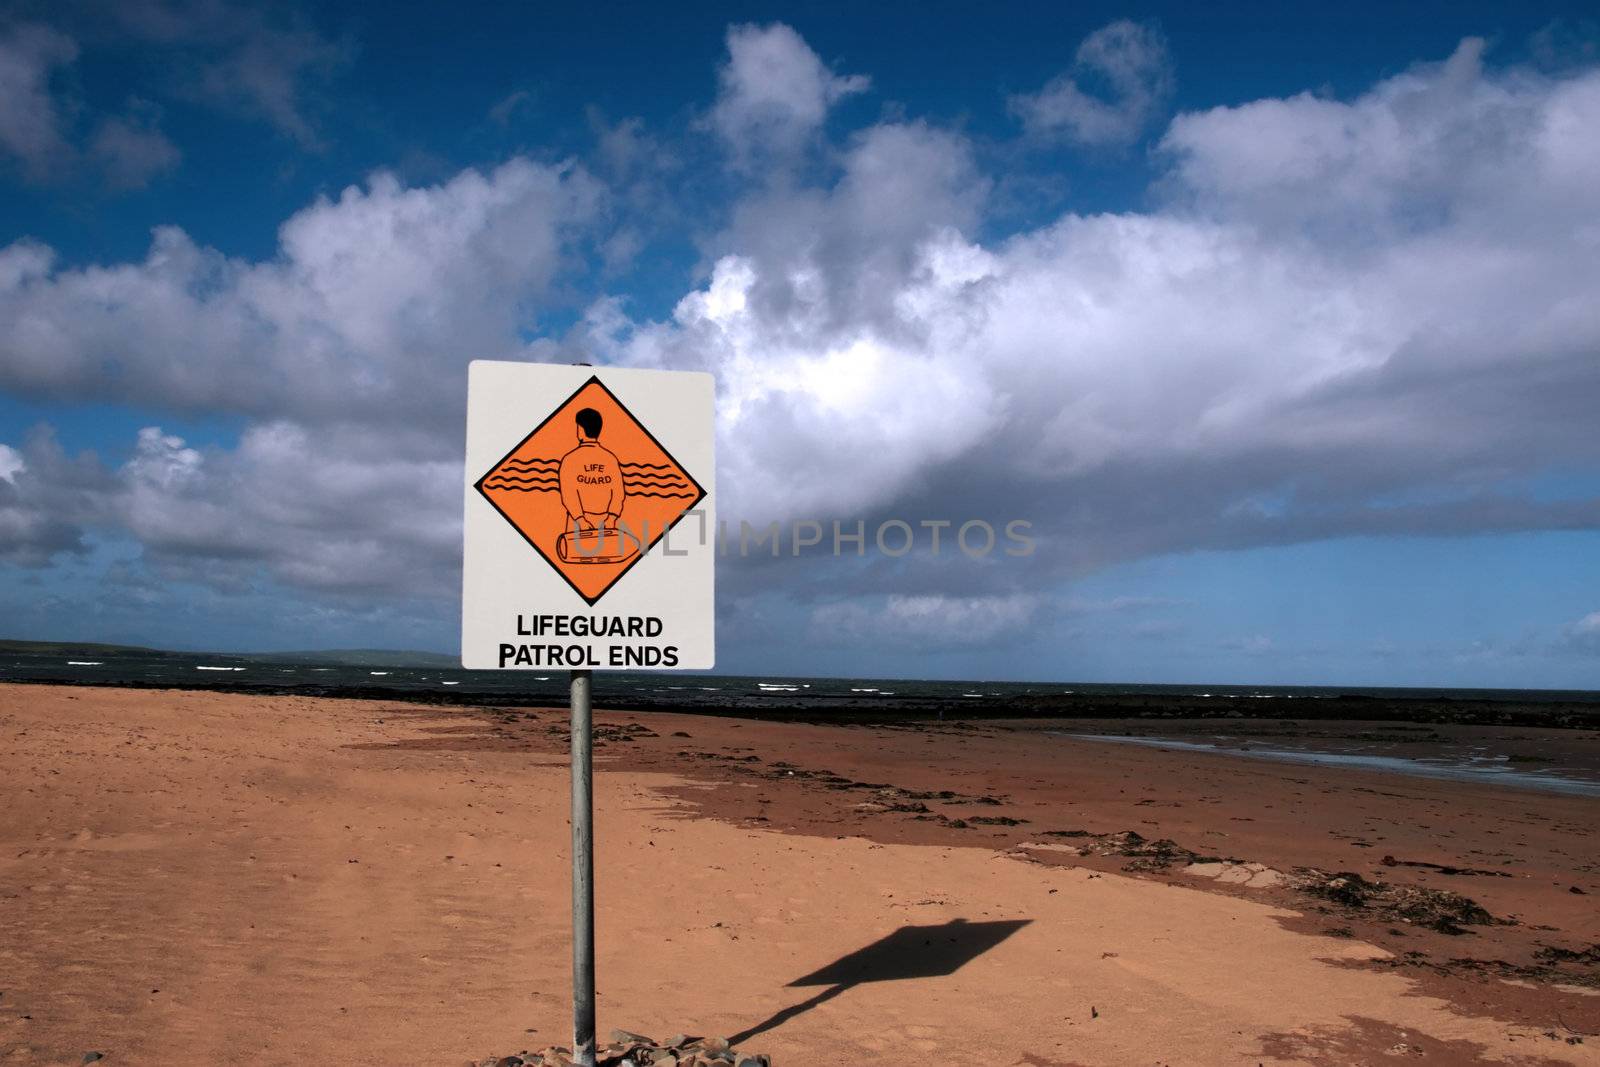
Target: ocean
[(686, 690)]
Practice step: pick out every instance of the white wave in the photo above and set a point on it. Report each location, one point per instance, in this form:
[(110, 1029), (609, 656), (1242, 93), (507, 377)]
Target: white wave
[(85, 663), (863, 690), (377, 674), (449, 683), (219, 668)]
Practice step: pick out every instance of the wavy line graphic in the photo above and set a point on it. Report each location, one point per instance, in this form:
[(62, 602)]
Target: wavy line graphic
[(652, 466), (514, 478), (506, 488)]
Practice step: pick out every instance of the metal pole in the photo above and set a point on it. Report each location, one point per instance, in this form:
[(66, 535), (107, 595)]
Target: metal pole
[(582, 873)]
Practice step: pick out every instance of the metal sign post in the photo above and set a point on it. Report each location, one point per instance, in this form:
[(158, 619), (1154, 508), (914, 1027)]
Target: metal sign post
[(589, 544), (582, 872)]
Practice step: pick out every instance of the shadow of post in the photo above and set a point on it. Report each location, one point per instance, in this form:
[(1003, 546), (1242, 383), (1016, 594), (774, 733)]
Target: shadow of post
[(909, 952)]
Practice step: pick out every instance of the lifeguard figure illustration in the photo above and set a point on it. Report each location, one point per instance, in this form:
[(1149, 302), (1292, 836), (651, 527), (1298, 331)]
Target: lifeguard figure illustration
[(592, 492)]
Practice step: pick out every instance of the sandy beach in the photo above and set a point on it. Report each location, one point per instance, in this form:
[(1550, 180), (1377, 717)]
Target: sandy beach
[(195, 877)]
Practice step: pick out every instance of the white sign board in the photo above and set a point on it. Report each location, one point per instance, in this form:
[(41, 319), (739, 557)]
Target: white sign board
[(590, 518)]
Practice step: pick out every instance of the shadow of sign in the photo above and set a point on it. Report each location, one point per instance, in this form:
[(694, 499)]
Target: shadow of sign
[(909, 952)]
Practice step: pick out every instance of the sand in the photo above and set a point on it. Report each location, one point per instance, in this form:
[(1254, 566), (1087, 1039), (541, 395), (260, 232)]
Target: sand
[(201, 878)]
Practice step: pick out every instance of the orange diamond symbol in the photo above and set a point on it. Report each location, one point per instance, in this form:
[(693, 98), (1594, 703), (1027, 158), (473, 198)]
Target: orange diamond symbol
[(591, 490)]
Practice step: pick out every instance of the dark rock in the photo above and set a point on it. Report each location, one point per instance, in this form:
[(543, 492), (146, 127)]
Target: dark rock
[(1348, 888), (1555, 954), (628, 1049), (1435, 909)]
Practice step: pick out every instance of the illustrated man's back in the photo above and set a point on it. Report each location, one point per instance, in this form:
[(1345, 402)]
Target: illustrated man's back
[(591, 483)]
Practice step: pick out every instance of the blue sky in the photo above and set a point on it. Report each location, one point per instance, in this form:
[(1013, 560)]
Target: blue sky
[(1274, 323)]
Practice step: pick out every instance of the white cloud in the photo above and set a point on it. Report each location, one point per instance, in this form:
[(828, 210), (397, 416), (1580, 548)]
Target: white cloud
[(509, 106), (374, 298), (1128, 381), (1442, 146), (1152, 629), (265, 62), (926, 622), (32, 120), (265, 75), (347, 353), (1254, 645), (11, 464), (335, 510), (1392, 302), (132, 149), (270, 65), (819, 325), (775, 92), (1081, 606), (42, 508), (1131, 61), (1584, 634)]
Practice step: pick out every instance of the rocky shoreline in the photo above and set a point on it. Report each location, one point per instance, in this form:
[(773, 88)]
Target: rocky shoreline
[(628, 1049)]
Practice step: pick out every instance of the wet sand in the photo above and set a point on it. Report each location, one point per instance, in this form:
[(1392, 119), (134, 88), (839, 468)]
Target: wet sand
[(195, 877)]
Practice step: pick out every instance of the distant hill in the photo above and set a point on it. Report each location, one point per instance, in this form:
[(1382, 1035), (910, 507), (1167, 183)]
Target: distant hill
[(70, 648), (334, 657)]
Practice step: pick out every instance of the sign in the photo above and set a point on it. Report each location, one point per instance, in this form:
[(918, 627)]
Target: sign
[(589, 518)]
